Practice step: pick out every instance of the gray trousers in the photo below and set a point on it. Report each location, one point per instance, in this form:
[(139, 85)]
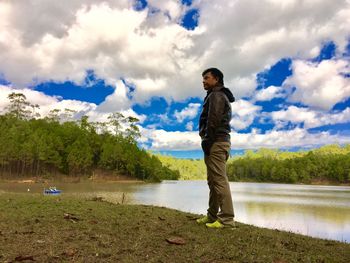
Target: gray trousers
[(220, 200)]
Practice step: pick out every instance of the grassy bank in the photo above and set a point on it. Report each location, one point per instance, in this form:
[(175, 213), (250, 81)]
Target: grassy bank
[(49, 179), (68, 229)]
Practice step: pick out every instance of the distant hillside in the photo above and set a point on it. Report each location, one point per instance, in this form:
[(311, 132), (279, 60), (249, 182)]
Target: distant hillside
[(328, 164), (189, 169)]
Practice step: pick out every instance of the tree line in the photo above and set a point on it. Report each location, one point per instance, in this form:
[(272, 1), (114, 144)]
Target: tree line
[(56, 144), (328, 164)]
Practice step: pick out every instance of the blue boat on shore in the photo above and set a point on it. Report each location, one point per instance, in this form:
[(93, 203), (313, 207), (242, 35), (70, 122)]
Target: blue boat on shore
[(52, 191)]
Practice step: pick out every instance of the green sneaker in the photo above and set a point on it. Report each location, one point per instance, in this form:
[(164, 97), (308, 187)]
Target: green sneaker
[(203, 220), (216, 224)]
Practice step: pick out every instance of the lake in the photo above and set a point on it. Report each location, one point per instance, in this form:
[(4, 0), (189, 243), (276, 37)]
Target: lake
[(318, 211)]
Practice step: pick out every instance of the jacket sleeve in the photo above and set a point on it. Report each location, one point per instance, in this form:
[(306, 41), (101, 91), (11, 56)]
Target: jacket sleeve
[(215, 114)]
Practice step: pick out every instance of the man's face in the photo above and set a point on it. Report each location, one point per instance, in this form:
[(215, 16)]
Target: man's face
[(209, 81)]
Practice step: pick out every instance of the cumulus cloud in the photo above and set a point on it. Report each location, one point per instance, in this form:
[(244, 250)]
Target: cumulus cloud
[(321, 85), (34, 97), (189, 126), (189, 112), (285, 139), (79, 108), (60, 41), (47, 17), (45, 102), (269, 93), (298, 137), (106, 38), (171, 140), (170, 7), (243, 114), (246, 40), (308, 117), (117, 101)]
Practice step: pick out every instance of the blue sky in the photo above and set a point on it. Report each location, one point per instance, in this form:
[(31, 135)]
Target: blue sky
[(291, 78)]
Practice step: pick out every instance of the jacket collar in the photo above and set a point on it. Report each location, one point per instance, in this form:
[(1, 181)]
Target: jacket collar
[(216, 88)]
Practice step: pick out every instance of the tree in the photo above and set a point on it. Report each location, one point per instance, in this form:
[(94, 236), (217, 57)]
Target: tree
[(132, 132), (116, 120), (18, 105), (80, 157)]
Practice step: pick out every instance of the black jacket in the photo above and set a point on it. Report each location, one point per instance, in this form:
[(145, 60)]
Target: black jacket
[(214, 122)]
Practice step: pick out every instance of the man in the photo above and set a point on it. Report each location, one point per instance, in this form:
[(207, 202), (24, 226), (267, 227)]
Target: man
[(214, 130)]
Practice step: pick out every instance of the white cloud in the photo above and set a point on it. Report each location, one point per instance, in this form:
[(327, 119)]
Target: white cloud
[(243, 114), (45, 102), (102, 37), (241, 86), (189, 112), (60, 41), (285, 139), (246, 40), (308, 117), (165, 140), (34, 97), (117, 101), (189, 126), (95, 113), (269, 93), (45, 17), (171, 7), (320, 85)]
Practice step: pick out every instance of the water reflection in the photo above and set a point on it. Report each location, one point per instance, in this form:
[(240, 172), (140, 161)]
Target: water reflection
[(316, 221), (319, 211)]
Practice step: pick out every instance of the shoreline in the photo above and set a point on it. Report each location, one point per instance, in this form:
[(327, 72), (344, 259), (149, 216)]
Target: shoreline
[(70, 179), (126, 179)]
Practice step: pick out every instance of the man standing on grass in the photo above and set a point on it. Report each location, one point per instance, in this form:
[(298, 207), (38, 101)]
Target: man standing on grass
[(214, 130)]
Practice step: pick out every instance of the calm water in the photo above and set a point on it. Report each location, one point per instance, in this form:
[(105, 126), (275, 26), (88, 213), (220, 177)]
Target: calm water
[(318, 211)]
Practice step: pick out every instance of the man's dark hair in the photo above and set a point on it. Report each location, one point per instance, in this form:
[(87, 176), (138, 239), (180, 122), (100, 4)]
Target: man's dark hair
[(216, 73)]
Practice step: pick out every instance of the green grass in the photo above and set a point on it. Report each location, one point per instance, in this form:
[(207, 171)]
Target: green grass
[(35, 226)]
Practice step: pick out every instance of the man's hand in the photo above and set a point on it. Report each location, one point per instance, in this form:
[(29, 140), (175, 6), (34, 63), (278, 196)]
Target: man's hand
[(206, 145)]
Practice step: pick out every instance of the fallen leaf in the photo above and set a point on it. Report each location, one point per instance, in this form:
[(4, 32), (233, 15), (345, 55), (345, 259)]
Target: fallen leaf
[(27, 232), (329, 244), (22, 258), (97, 199), (192, 217), (70, 252), (176, 240), (71, 217)]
